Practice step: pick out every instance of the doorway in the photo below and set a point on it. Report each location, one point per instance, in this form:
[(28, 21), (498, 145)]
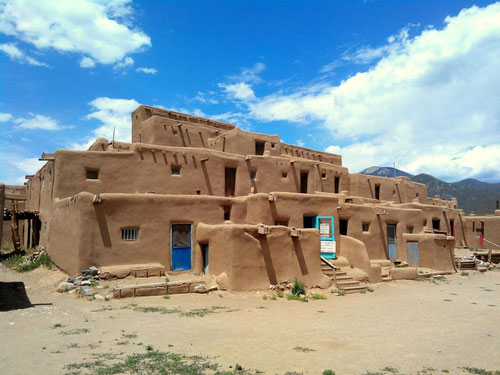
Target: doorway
[(391, 241), (413, 254), (304, 176), (204, 256), (230, 182), (180, 235)]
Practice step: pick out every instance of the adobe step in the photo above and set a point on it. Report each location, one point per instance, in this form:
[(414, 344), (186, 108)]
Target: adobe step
[(343, 277), (347, 283), (387, 278), (340, 273), (353, 289)]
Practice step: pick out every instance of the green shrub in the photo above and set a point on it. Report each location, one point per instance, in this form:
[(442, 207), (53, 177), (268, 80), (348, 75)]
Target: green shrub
[(298, 287), (279, 293), (328, 372), (317, 296)]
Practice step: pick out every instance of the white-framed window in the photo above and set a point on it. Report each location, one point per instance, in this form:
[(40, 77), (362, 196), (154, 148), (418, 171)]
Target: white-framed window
[(130, 234)]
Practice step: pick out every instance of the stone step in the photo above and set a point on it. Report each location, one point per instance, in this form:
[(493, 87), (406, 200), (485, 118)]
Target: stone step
[(352, 289), (347, 283), (340, 273), (344, 277), (387, 278)]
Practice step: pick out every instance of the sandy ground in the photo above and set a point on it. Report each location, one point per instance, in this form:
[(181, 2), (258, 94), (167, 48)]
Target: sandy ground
[(406, 325)]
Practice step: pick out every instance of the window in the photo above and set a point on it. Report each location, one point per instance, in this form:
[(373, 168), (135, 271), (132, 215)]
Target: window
[(309, 222), (253, 174), (230, 181), (425, 223), (283, 223), (366, 227), (92, 174), (176, 170), (436, 224), (304, 176), (130, 234), (473, 226), (417, 195), (284, 174), (273, 145), (343, 224), (409, 229), (259, 148), (323, 175)]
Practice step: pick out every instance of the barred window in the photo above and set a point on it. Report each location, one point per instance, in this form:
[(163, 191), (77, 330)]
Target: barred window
[(130, 234)]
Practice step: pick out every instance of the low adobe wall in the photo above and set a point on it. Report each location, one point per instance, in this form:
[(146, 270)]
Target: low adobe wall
[(436, 251), (255, 261)]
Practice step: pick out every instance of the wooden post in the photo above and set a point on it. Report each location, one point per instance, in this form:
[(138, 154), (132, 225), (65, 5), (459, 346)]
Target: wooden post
[(15, 229)]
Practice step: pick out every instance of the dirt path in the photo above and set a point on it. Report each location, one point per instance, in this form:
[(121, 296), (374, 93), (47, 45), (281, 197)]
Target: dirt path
[(406, 325)]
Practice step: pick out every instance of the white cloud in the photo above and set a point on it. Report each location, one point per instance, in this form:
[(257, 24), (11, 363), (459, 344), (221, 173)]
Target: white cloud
[(250, 74), (16, 54), (112, 114), (126, 63), (241, 90), (430, 103), (87, 62), (98, 29), (38, 122), (146, 70), (30, 165), (4, 117)]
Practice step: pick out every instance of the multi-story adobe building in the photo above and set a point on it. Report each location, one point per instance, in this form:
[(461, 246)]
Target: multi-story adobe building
[(198, 195)]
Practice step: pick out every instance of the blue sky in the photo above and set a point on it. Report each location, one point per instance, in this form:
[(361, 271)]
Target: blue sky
[(411, 82)]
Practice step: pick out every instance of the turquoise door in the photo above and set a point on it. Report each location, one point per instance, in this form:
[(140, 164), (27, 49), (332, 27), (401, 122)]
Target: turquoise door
[(180, 235), (391, 241), (413, 254), (327, 236)]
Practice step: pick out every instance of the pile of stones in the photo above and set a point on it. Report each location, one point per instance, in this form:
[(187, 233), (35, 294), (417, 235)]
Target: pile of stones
[(83, 284), (40, 250)]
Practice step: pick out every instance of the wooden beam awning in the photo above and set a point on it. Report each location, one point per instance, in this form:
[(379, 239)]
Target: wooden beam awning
[(47, 157), (20, 215)]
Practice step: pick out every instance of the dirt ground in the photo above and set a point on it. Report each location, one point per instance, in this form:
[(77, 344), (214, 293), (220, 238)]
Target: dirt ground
[(406, 325)]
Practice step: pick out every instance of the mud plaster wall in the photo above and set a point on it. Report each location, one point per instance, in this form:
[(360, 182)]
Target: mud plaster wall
[(151, 169), (101, 224), (355, 251), (491, 225), (254, 261), (2, 205), (436, 251)]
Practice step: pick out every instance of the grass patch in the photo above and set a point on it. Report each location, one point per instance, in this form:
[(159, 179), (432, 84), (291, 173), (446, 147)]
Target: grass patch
[(464, 273), (480, 371), (369, 289), (279, 293), (166, 297), (328, 372), (129, 335), (447, 300), (57, 325), (75, 331), (338, 292), (303, 349), (292, 297), (43, 260), (317, 296)]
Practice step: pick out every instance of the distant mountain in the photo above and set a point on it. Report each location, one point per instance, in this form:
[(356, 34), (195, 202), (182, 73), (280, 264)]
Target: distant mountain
[(385, 172), (473, 195)]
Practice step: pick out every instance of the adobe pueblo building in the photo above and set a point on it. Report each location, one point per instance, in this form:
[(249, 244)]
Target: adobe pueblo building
[(202, 196)]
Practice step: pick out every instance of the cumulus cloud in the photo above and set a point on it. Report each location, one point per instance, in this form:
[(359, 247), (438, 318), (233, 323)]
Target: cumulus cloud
[(240, 86), (4, 117), (38, 122), (146, 70), (87, 62), (29, 166), (102, 31), (126, 63), (16, 54), (428, 103), (112, 114)]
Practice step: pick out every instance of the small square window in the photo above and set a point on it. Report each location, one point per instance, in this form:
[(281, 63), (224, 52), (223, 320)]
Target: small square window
[(409, 229), (253, 174), (259, 148), (227, 212), (130, 234), (92, 174), (284, 174), (366, 227), (176, 170), (323, 175)]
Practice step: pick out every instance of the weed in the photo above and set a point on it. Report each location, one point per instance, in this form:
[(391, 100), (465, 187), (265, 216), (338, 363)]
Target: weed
[(167, 279), (317, 296), (292, 297), (370, 289), (321, 311), (260, 307), (279, 293), (445, 371), (93, 283), (298, 287), (363, 291), (351, 266), (338, 292), (464, 273), (480, 371), (73, 345), (13, 262), (166, 297), (221, 296), (57, 325), (447, 300), (328, 372), (129, 335), (273, 297), (302, 349), (44, 260), (264, 297), (149, 348), (75, 331), (122, 343)]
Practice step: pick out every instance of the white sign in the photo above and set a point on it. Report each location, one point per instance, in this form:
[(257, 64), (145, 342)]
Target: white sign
[(324, 229), (328, 246)]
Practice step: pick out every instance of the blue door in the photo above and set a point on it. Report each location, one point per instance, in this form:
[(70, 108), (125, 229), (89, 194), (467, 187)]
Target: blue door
[(180, 235), (413, 254), (391, 241)]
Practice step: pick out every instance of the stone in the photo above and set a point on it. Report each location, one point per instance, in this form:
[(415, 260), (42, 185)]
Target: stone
[(71, 280), (213, 288), (177, 287), (86, 291), (85, 283), (66, 287), (93, 270), (99, 297), (223, 281), (201, 288)]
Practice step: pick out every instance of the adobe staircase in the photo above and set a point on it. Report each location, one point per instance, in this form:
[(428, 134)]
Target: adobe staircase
[(342, 281)]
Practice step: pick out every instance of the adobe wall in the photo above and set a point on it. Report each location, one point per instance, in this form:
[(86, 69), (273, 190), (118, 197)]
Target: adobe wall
[(238, 141), (201, 172), (254, 261), (436, 251), (398, 190), (143, 113), (2, 206), (100, 242), (491, 231)]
